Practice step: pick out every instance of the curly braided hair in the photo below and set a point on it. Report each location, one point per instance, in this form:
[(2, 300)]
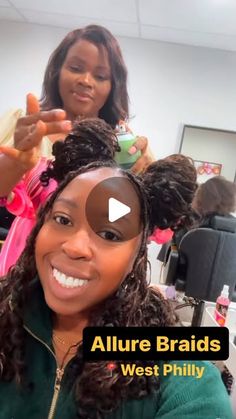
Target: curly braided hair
[(134, 304), (91, 139), (171, 181)]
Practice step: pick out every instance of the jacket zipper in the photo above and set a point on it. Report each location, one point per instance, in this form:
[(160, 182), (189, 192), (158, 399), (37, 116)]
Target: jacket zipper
[(58, 379), (57, 387)]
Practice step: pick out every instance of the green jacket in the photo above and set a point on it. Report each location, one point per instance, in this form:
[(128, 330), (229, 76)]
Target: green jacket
[(178, 397)]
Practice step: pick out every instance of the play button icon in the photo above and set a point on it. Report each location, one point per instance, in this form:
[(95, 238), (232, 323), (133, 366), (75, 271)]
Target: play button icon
[(113, 208), (116, 210)]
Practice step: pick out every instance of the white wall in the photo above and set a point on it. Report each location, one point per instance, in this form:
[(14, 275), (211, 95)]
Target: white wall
[(170, 85)]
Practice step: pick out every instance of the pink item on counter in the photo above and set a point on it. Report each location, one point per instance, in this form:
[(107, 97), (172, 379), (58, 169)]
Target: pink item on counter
[(161, 236), (222, 306)]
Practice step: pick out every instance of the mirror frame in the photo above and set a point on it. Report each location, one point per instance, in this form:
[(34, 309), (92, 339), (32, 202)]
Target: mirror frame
[(207, 129)]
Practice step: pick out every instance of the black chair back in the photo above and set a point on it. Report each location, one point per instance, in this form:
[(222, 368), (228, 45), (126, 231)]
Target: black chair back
[(208, 256)]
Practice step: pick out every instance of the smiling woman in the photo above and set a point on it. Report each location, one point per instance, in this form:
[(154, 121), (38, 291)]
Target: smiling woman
[(85, 77), (73, 274), (74, 260), (89, 63)]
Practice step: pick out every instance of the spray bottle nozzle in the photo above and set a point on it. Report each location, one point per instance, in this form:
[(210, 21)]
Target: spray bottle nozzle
[(225, 291)]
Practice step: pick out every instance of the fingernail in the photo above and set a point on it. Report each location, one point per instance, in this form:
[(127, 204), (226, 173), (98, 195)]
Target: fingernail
[(132, 150), (66, 125), (58, 110)]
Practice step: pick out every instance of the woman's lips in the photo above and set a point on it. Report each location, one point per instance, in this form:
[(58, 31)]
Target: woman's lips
[(64, 287), (82, 97), (68, 281)]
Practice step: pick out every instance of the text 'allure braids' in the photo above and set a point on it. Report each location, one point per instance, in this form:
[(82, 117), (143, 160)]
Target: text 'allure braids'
[(133, 304), (91, 139)]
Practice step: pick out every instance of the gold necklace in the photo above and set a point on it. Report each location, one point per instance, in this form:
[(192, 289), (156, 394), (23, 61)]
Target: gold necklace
[(62, 341)]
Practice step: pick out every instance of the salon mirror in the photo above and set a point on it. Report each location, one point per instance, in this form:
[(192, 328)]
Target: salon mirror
[(213, 151)]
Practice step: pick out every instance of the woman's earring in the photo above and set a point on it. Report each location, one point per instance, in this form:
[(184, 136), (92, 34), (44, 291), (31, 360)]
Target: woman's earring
[(132, 275)]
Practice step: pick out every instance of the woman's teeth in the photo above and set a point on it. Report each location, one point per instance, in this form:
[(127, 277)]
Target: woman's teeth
[(68, 281)]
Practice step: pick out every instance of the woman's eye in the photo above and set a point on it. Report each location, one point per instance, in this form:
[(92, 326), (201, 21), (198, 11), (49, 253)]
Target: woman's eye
[(110, 235), (76, 68), (101, 77), (62, 219)]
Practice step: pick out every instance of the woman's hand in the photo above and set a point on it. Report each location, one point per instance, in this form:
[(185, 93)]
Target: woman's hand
[(146, 157), (30, 131)]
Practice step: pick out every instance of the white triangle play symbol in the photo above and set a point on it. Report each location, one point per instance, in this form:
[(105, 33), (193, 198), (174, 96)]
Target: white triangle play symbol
[(116, 210)]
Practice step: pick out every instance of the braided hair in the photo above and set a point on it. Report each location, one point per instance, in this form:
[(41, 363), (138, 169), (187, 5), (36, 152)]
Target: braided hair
[(91, 139), (173, 182), (133, 304)]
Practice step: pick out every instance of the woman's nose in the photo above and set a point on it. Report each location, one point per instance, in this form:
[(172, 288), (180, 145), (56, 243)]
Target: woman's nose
[(86, 78), (78, 246)]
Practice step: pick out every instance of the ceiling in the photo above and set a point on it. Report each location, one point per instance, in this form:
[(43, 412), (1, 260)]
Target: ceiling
[(207, 23)]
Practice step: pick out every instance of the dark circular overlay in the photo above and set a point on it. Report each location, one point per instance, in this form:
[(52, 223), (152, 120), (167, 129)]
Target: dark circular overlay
[(99, 210)]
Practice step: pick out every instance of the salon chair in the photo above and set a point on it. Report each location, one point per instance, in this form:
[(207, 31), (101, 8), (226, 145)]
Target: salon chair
[(204, 261)]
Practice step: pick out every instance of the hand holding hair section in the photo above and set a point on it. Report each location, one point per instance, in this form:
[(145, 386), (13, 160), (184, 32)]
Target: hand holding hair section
[(90, 139)]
